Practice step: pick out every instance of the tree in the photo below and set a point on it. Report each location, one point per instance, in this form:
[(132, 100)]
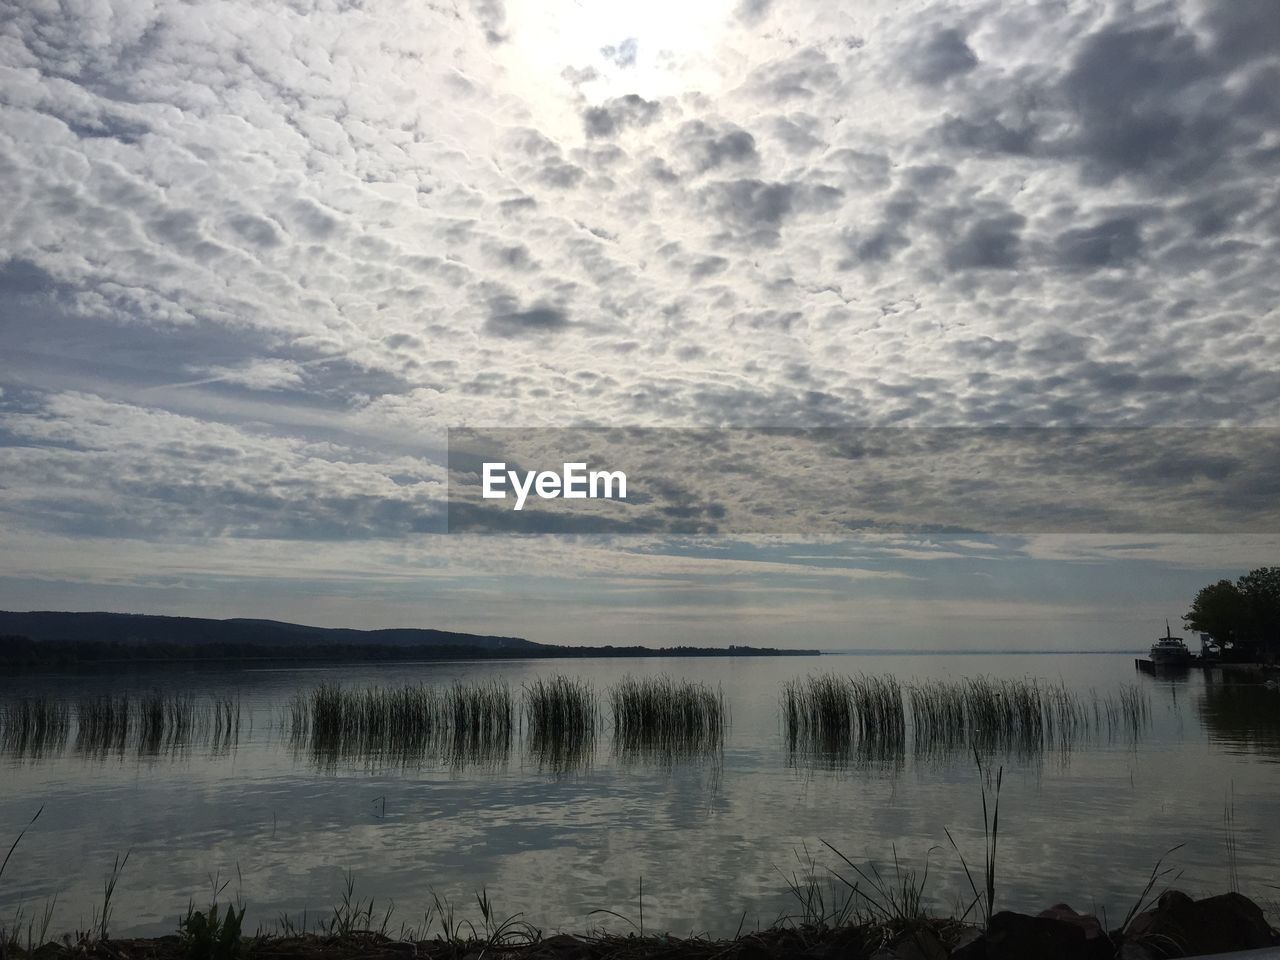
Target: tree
[(1220, 611), (1261, 591), (1244, 614)]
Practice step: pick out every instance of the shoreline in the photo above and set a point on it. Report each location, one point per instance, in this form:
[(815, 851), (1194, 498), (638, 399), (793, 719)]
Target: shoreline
[(888, 925), (392, 656)]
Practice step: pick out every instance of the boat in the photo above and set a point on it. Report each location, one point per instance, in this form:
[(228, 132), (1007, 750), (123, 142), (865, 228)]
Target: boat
[(1169, 649)]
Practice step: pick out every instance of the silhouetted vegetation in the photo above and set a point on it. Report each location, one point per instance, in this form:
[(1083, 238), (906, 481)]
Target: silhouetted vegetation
[(154, 723), (1020, 717), (562, 716), (1242, 617), (34, 727), (46, 639), (662, 718), (836, 719), (403, 726)]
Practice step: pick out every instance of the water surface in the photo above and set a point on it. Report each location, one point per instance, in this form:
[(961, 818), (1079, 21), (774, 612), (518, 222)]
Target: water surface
[(708, 834)]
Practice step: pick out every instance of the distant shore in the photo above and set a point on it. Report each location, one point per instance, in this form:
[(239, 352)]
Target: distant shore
[(20, 653), (51, 638)]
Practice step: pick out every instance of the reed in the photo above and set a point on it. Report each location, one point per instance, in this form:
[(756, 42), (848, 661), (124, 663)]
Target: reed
[(837, 720), (480, 723), (154, 723), (1024, 716), (223, 722), (165, 722), (562, 716), (34, 726), (665, 718), (103, 723), (403, 726)]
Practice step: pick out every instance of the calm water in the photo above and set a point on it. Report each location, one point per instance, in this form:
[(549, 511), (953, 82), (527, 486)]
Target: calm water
[(707, 834)]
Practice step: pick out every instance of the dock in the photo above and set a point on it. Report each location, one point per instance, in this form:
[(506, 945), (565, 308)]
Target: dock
[(1145, 665)]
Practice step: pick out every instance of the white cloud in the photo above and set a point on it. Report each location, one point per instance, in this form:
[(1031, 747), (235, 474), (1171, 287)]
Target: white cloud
[(246, 229)]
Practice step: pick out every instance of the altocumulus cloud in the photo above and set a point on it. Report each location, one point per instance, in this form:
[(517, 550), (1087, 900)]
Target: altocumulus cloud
[(345, 227)]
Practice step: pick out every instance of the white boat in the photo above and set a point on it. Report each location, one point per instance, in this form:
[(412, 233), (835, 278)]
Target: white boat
[(1169, 649)]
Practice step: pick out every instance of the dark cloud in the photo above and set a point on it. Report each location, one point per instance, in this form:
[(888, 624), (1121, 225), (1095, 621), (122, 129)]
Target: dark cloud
[(799, 76), (986, 348), (937, 58), (755, 210), (549, 167), (708, 267), (492, 15), (1243, 30), (1110, 243), (108, 126), (506, 322), (879, 242), (313, 219), (514, 256), (709, 146), (988, 135), (615, 115), (990, 243), (1147, 98), (517, 204), (798, 132), (259, 231), (1125, 87), (19, 277), (751, 12)]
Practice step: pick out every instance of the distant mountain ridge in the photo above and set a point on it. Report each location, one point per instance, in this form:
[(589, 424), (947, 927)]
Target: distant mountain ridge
[(142, 629)]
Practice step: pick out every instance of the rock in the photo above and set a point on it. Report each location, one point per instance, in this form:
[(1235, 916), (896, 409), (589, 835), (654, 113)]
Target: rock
[(1098, 945), (752, 950), (1085, 921), (560, 941), (920, 944), (1016, 936), (1134, 951), (969, 946), (1213, 925)]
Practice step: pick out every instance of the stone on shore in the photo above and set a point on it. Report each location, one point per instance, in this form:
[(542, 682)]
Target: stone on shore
[(1218, 924)]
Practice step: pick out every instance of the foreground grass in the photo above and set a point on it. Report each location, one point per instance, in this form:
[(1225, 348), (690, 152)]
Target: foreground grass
[(848, 910)]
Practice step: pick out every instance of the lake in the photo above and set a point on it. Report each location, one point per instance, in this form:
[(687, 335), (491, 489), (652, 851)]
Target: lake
[(709, 833)]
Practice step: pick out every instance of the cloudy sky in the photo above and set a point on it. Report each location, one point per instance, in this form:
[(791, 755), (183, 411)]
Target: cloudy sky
[(256, 259)]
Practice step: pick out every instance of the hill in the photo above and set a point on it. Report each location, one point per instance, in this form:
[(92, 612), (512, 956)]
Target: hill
[(136, 629)]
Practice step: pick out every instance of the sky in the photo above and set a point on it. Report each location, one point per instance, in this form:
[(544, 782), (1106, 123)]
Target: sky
[(257, 259)]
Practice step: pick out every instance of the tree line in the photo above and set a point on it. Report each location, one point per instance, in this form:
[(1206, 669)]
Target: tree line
[(1242, 616)]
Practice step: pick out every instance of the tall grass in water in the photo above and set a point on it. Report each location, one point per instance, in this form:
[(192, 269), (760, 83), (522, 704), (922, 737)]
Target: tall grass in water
[(103, 723), (403, 726), (480, 722), (1023, 717), (836, 719), (165, 721), (33, 727), (662, 718), (223, 723), (154, 723), (562, 717)]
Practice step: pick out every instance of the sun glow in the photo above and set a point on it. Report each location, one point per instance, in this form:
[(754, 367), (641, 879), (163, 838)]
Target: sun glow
[(652, 48)]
